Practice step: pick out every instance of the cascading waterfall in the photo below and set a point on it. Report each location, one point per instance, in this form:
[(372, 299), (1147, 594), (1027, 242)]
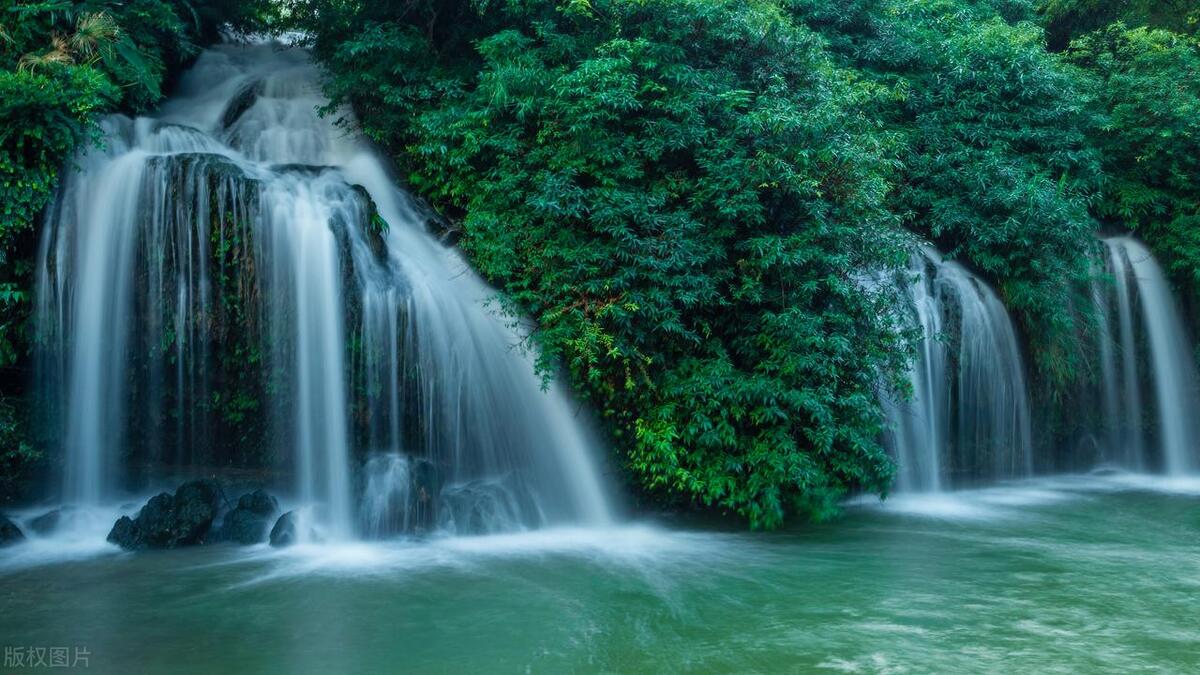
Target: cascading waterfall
[(968, 419), (238, 272), (1128, 355)]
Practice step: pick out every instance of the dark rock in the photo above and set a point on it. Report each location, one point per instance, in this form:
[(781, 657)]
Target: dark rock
[(240, 103), (125, 534), (47, 522), (250, 521), (155, 522), (308, 170), (259, 503), (195, 508), (284, 532), (426, 488), (9, 532), (168, 521)]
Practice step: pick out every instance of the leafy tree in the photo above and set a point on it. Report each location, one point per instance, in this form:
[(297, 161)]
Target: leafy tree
[(1149, 136), (683, 194), (1068, 19), (998, 169)]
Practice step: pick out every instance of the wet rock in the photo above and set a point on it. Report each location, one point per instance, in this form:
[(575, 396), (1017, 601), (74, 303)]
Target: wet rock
[(9, 532), (196, 506), (251, 520), (426, 488), (47, 522), (240, 103), (483, 507), (284, 532), (170, 521), (124, 534)]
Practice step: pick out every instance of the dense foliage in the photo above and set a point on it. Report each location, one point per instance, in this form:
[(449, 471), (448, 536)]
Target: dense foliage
[(997, 165), (689, 197), (681, 191), (682, 194), (1149, 135)]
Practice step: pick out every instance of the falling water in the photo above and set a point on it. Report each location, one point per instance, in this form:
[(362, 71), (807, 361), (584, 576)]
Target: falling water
[(1139, 283), (237, 271), (968, 418)]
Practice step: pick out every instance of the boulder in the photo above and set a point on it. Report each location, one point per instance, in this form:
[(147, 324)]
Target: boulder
[(250, 522), (9, 532), (125, 534), (284, 532), (242, 101), (47, 522), (170, 521), (196, 506)]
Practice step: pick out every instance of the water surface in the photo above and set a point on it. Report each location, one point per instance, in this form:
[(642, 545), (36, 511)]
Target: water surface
[(1083, 574)]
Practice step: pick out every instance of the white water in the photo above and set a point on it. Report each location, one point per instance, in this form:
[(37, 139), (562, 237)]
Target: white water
[(1139, 283), (969, 414), (126, 315)]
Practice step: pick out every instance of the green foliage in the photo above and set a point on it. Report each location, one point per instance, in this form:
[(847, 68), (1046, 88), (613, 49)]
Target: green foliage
[(63, 63), (998, 169), (1069, 19), (1149, 134), (19, 459), (681, 193)]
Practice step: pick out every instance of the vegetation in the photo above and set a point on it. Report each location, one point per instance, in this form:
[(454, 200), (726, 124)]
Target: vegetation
[(63, 63), (1148, 95), (690, 196), (681, 193)]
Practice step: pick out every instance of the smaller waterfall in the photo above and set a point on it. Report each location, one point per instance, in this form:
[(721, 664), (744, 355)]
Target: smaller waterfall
[(1127, 355), (968, 419)]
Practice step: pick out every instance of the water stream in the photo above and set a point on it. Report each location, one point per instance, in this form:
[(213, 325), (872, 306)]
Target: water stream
[(1152, 353), (968, 420), (236, 273)]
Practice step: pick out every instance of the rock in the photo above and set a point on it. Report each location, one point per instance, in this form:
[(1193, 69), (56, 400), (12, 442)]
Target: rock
[(155, 522), (259, 503), (47, 522), (284, 532), (251, 520), (426, 488), (242, 101), (124, 534), (195, 508), (170, 521), (9, 532)]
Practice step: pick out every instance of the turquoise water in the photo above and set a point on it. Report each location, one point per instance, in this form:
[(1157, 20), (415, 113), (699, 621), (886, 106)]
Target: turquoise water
[(1087, 574)]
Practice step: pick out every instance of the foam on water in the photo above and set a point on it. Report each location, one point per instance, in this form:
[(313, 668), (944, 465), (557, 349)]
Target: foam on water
[(1016, 498)]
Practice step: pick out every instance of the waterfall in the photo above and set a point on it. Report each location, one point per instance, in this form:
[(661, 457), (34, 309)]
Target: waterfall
[(968, 418), (238, 279), (1139, 284)]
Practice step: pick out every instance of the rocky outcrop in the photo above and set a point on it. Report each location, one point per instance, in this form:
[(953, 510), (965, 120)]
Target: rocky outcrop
[(47, 522), (250, 522), (170, 521), (242, 101), (284, 532), (9, 532)]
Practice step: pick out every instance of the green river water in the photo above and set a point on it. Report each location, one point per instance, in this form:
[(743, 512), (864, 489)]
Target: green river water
[(1083, 574)]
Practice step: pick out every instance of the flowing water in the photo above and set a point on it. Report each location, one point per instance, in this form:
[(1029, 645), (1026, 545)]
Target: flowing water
[(968, 418), (1145, 362), (237, 280), (1065, 575), (238, 277)]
